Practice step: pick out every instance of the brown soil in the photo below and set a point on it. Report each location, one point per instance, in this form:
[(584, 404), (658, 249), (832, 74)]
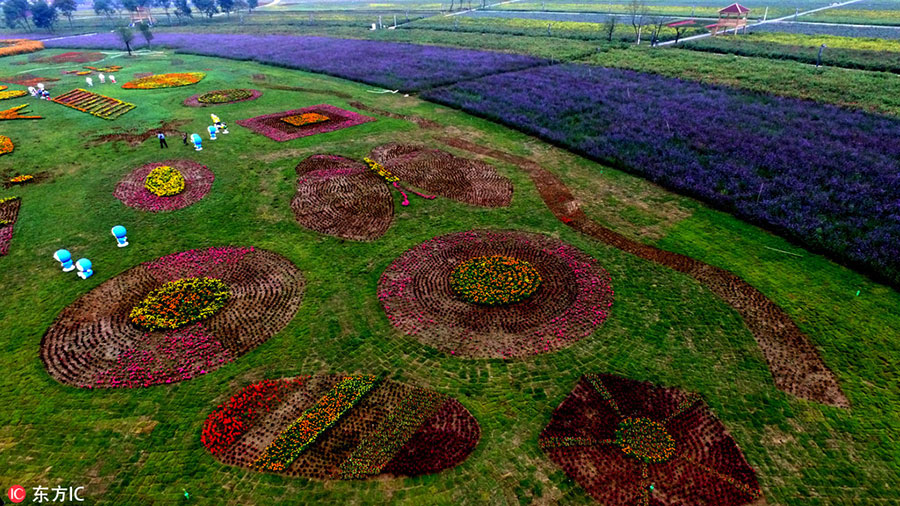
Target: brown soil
[(342, 198), (28, 80), (572, 301), (91, 336), (9, 211), (135, 139), (793, 360), (418, 120), (193, 101), (452, 428), (464, 180)]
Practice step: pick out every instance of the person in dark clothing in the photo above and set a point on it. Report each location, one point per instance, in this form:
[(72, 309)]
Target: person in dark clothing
[(162, 140), (184, 138)]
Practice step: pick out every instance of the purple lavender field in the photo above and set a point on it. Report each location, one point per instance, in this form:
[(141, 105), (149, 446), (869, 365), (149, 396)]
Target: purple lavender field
[(825, 176), (408, 67)]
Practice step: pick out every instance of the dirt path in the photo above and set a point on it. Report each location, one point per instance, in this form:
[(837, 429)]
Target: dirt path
[(794, 362)]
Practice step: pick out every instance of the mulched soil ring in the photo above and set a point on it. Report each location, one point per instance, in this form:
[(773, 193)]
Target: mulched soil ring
[(198, 180), (193, 101), (135, 139), (342, 198), (464, 180), (272, 127), (94, 344), (439, 432), (9, 213), (793, 360), (700, 463), (574, 297)]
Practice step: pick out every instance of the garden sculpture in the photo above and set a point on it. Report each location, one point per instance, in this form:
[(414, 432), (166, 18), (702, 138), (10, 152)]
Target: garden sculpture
[(89, 81), (65, 259), (212, 132), (85, 269), (120, 234), (33, 91), (198, 142), (40, 86), (102, 78), (112, 78), (222, 127)]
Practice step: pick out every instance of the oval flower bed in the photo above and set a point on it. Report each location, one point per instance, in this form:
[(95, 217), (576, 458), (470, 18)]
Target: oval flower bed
[(222, 97), (157, 81), (631, 442), (340, 427), (573, 297), (155, 186), (173, 318)]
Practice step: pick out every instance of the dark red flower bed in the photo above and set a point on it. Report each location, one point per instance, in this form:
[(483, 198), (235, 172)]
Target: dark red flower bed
[(9, 213), (272, 127), (574, 297), (614, 436), (394, 429), (198, 180), (94, 344)]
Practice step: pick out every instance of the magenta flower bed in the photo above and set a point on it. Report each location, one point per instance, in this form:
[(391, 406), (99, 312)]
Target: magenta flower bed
[(272, 127), (198, 180)]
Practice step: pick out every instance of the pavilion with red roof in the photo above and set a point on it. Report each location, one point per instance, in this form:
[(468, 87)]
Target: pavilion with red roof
[(733, 17)]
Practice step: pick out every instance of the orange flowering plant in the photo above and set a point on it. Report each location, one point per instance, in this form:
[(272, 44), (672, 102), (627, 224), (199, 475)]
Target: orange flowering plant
[(494, 280), (179, 303)]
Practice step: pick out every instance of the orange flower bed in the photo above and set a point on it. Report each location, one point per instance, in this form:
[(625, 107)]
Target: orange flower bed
[(6, 145), (164, 81), (13, 113), (307, 118), (9, 47)]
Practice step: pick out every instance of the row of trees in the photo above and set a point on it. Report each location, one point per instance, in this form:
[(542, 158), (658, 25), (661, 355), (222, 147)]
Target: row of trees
[(22, 14)]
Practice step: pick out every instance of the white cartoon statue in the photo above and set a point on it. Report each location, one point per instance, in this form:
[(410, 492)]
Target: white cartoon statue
[(89, 81), (102, 78)]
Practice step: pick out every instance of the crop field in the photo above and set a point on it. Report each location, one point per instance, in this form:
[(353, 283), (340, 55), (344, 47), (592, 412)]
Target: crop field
[(463, 261)]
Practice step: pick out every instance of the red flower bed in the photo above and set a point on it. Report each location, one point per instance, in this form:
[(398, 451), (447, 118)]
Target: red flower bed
[(272, 126), (391, 428), (132, 191), (573, 299), (95, 344), (630, 442), (71, 57)]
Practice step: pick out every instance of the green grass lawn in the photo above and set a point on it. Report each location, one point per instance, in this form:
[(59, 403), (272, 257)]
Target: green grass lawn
[(142, 447)]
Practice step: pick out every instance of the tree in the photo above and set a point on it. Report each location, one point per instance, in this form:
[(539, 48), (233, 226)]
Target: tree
[(609, 27), (144, 28), (44, 15), (165, 5), (183, 10), (126, 34), (104, 8), (66, 7), (638, 11), (239, 6), (657, 23), (226, 6), (15, 13), (207, 7), (131, 5), (252, 4)]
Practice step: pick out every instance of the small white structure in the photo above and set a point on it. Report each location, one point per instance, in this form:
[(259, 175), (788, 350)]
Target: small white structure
[(102, 78), (112, 78), (89, 81), (65, 260), (120, 234)]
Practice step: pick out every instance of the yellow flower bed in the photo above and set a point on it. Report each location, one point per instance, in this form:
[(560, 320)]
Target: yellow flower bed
[(12, 94), (164, 181), (6, 145), (494, 280), (164, 81), (307, 118), (179, 303)]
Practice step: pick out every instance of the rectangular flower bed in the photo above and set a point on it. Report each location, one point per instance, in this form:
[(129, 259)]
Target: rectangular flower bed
[(94, 104), (276, 128)]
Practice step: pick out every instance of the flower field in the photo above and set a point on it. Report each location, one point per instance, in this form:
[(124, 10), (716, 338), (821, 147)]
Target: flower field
[(16, 113), (783, 165), (345, 428), (166, 321), (157, 81), (4, 95), (148, 189), (276, 128), (94, 104), (630, 442), (9, 47)]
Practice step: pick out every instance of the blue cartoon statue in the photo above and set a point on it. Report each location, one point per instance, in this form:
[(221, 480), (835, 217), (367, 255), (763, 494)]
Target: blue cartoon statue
[(198, 142), (212, 132), (85, 268), (65, 259), (119, 233)]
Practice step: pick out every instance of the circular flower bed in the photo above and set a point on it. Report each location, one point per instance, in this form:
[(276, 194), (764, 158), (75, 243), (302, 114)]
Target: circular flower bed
[(6, 145), (340, 427), (95, 343), (573, 298), (164, 81), (180, 302), (630, 442), (134, 191), (222, 97), (494, 280), (164, 181)]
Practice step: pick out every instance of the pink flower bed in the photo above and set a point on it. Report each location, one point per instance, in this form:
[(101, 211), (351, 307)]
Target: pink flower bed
[(272, 127), (198, 180)]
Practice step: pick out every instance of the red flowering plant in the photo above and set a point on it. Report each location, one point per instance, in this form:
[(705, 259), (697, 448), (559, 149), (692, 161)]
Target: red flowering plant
[(274, 127), (630, 442)]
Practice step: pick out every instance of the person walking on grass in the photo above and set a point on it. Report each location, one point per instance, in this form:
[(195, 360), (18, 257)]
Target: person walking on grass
[(184, 138), (162, 140)]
